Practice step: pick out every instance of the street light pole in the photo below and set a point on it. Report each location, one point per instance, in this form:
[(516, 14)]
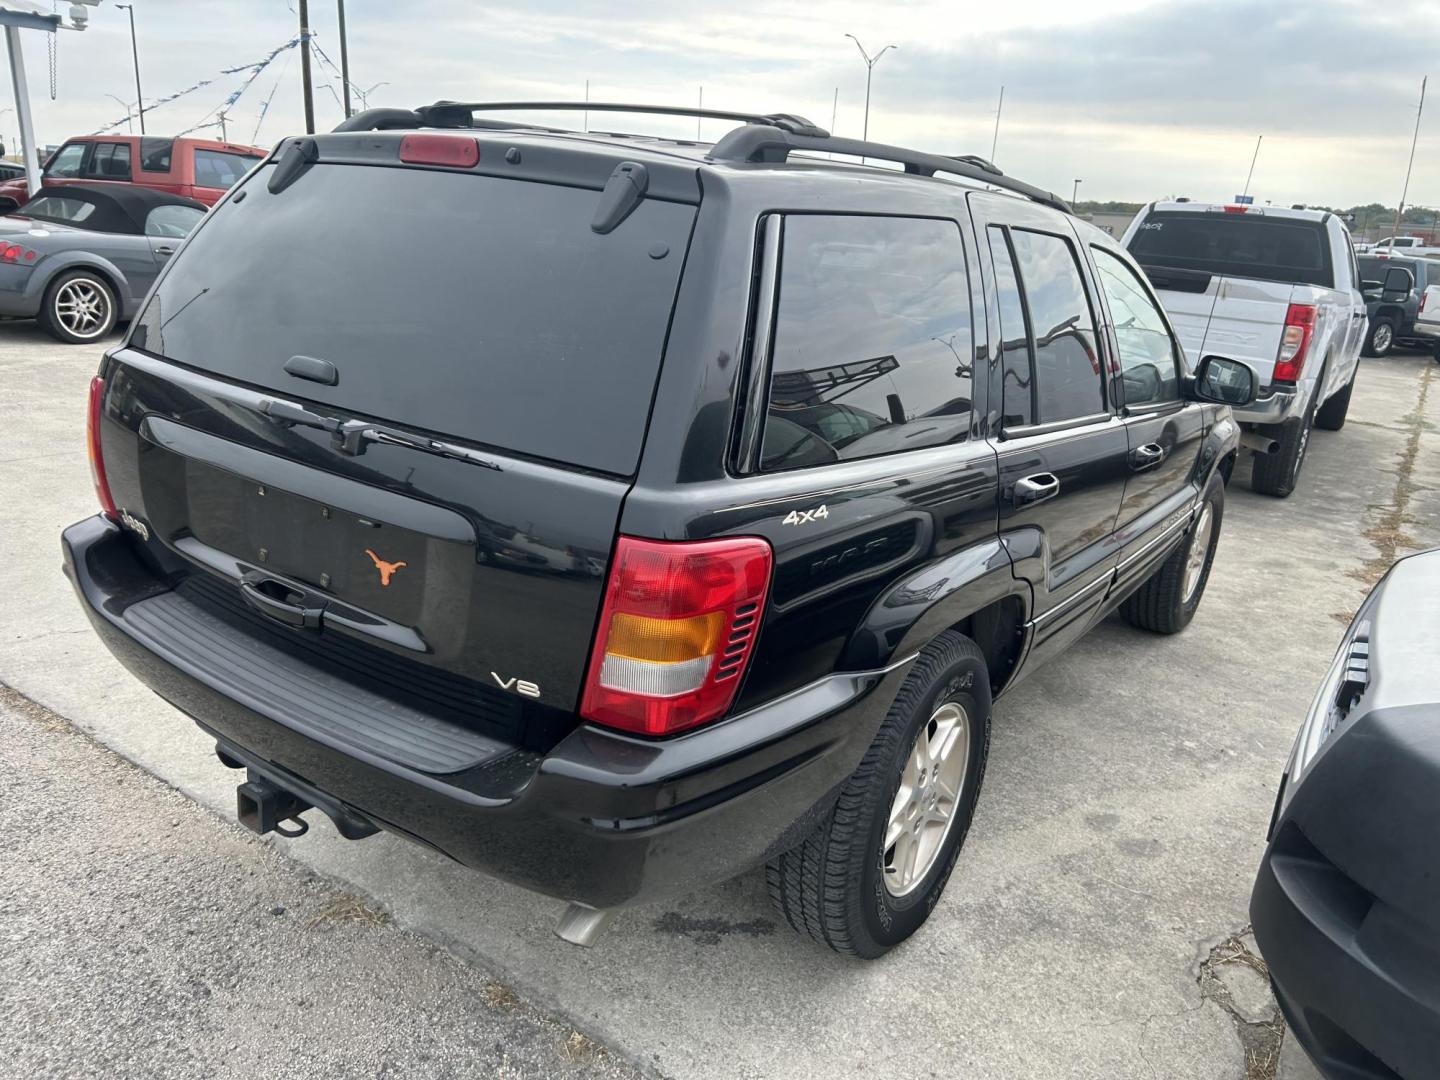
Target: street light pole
[(129, 124), (135, 54), (1075, 193), (344, 59), (870, 62)]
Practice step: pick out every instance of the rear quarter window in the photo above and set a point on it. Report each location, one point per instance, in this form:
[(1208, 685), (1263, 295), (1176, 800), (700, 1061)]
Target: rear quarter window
[(873, 348), (1250, 245)]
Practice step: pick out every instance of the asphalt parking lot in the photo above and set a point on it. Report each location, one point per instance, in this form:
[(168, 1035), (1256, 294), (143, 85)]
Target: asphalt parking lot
[(1093, 925)]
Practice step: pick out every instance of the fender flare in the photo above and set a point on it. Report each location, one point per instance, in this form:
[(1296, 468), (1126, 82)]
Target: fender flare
[(65, 261), (917, 608)]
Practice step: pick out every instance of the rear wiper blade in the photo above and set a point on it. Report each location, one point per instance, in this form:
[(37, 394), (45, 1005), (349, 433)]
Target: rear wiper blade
[(428, 446), (351, 436)]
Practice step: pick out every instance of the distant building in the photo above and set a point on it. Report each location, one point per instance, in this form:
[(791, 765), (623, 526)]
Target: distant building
[(1114, 224)]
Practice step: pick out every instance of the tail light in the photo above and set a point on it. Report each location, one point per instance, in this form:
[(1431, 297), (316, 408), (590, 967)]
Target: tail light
[(14, 253), (1295, 343), (92, 443), (675, 632), (1423, 297)]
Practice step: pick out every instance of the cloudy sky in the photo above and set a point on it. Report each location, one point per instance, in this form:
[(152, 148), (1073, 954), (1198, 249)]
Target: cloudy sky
[(1137, 99)]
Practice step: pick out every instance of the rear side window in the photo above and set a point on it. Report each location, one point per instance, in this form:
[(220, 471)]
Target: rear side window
[(1020, 405), (217, 169), (1236, 245), (109, 161), (155, 153), (470, 306), (1062, 328), (873, 347)]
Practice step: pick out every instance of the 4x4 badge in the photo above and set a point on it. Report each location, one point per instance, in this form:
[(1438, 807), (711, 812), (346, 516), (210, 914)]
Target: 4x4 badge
[(387, 569)]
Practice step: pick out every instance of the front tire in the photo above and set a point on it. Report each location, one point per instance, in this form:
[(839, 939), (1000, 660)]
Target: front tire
[(872, 871), (79, 307), (1168, 600), (1381, 337)]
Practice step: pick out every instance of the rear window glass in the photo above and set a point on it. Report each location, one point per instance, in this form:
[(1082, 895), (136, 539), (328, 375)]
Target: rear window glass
[(1236, 245), (873, 348), (466, 305), (56, 208)]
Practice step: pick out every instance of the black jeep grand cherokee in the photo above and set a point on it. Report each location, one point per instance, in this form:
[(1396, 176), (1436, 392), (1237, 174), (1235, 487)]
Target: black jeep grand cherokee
[(616, 514)]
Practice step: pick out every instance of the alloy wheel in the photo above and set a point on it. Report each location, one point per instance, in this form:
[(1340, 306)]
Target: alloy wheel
[(82, 307), (1199, 549), (925, 806)]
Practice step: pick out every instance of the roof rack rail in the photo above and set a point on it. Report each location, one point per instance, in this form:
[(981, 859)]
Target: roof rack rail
[(760, 143), (460, 114), (764, 138)]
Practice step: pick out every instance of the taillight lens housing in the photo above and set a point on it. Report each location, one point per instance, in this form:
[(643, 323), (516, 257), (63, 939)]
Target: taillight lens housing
[(453, 151), (676, 632), (15, 253), (92, 444), (1294, 343)]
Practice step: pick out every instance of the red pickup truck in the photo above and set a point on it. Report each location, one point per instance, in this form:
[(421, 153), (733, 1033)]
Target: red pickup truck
[(200, 169)]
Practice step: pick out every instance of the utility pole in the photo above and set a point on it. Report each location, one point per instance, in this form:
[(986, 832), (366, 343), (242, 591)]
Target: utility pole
[(870, 62), (135, 55), (344, 59), (305, 67), (996, 141), (1253, 158), (1413, 142), (1075, 193)]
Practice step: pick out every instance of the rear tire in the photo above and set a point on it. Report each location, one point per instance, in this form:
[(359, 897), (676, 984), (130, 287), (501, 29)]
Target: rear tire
[(1276, 474), (1331, 415), (848, 886), (1381, 337), (79, 308), (1168, 600)]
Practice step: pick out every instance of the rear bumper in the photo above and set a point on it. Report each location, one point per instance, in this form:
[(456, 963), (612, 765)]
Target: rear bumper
[(603, 819), (1271, 408)]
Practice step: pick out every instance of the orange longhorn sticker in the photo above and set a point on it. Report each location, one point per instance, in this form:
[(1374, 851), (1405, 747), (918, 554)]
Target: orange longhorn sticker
[(387, 569)]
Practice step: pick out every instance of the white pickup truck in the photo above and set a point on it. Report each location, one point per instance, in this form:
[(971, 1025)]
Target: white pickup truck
[(1276, 288), (1400, 245)]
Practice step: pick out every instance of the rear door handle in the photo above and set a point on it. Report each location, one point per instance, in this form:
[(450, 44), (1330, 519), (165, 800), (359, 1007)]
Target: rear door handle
[(1035, 488), (276, 600), (1147, 456)]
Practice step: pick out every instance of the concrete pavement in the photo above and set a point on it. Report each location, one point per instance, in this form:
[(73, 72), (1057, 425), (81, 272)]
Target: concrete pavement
[(1123, 816)]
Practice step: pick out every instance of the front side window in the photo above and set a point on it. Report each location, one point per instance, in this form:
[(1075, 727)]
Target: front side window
[(872, 342), (66, 162), (217, 169), (172, 222), (1148, 371), (1067, 362)]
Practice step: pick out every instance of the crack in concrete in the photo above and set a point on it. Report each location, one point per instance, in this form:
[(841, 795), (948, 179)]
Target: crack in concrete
[(1260, 1039), (1388, 534)]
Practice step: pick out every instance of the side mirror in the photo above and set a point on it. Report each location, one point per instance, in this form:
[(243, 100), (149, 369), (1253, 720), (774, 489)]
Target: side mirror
[(1223, 381), (1398, 282)]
